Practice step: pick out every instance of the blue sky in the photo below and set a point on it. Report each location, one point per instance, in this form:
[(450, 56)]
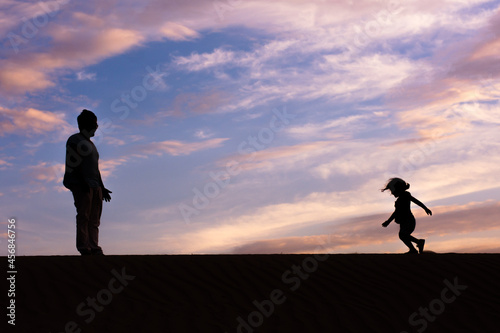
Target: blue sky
[(254, 126)]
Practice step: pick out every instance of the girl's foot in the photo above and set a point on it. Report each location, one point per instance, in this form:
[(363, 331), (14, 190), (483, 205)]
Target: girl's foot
[(412, 252), (420, 245)]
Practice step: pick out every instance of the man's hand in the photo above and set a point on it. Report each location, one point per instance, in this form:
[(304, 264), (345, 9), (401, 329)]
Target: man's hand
[(386, 223), (428, 211), (105, 194)]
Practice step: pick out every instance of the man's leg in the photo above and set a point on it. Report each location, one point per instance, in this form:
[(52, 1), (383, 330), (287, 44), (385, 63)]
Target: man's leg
[(83, 199), (95, 220)]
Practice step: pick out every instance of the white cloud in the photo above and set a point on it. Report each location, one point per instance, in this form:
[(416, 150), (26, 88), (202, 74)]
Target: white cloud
[(270, 73), (197, 62), (176, 148), (203, 134), (83, 76), (342, 127), (114, 141)]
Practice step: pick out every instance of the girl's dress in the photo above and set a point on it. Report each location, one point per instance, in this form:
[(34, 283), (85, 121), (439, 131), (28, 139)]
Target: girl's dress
[(404, 216)]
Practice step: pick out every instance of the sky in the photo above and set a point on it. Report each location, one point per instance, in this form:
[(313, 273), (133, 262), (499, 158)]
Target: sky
[(235, 127)]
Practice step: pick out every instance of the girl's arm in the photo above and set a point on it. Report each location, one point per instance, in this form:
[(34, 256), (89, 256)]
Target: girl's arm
[(417, 202), (386, 223)]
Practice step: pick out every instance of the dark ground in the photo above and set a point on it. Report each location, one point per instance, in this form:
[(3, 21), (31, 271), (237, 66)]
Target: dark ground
[(258, 293)]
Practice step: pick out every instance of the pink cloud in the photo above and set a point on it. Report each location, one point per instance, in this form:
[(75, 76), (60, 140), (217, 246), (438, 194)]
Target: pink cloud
[(78, 39), (490, 48), (176, 31), (16, 78), (31, 121), (299, 244), (459, 75), (12, 13), (211, 101), (4, 165), (108, 167), (256, 159), (84, 35), (367, 230), (44, 173), (73, 49)]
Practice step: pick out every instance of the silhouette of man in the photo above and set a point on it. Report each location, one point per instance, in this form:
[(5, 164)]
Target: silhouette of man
[(83, 178)]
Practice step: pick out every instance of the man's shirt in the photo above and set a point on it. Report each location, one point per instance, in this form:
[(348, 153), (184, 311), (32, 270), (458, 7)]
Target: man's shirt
[(82, 163)]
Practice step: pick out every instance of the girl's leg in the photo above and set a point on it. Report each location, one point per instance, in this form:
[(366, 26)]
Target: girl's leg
[(405, 234), (420, 245), (410, 227), (413, 239), (407, 238)]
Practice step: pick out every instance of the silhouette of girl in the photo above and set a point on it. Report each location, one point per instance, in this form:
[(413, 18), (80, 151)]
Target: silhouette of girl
[(403, 215)]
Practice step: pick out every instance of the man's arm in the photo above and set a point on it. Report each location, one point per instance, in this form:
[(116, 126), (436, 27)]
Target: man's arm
[(73, 166), (417, 202), (105, 191)]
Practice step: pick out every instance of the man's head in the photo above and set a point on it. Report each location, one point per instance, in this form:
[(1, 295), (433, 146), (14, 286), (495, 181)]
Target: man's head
[(87, 123)]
